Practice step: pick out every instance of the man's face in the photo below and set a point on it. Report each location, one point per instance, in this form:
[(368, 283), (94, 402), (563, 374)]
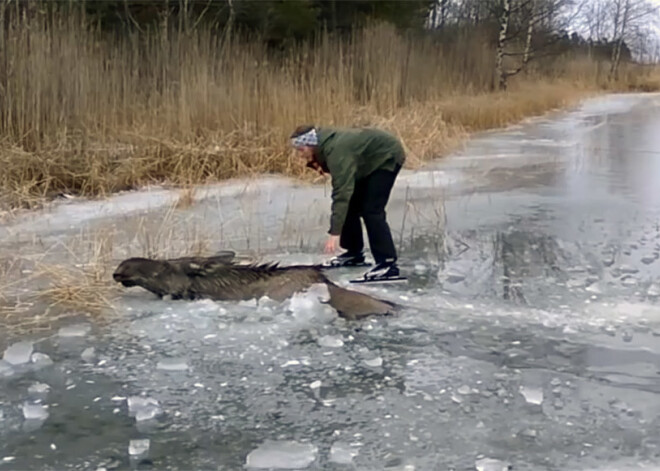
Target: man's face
[(306, 153)]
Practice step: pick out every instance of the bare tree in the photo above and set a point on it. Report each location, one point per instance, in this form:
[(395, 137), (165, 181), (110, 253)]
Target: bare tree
[(530, 31), (620, 24), (621, 14), (527, 17), (595, 20), (630, 17), (501, 42)]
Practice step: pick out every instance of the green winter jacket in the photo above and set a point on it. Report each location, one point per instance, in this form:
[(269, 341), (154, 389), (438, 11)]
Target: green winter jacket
[(350, 155)]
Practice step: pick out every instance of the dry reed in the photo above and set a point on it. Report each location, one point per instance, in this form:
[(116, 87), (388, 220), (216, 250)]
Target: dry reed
[(85, 115), (81, 114)]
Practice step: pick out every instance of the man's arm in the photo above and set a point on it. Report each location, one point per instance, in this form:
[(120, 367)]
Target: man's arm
[(342, 168)]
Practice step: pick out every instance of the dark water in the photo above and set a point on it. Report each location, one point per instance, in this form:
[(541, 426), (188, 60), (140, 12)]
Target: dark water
[(531, 335)]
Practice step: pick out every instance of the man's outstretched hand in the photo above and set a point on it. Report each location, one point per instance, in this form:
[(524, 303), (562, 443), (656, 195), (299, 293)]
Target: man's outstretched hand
[(332, 244)]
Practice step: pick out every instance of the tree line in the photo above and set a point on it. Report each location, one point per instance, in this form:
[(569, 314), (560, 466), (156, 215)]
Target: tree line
[(521, 31)]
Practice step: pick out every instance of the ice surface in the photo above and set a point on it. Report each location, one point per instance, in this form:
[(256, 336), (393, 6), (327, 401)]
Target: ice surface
[(451, 277), (627, 335), (628, 269), (138, 447), (490, 464), (529, 433), (420, 268), (18, 353), (38, 389), (5, 369), (342, 453), (532, 395), (596, 288), (172, 364), (456, 345), (75, 330), (88, 354), (143, 408), (34, 411), (282, 455)]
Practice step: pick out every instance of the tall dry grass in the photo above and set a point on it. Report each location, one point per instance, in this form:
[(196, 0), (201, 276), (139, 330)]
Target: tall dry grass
[(86, 114)]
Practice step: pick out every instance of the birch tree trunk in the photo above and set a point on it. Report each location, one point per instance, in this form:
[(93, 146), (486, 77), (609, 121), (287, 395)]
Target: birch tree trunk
[(616, 51), (501, 40), (530, 32)]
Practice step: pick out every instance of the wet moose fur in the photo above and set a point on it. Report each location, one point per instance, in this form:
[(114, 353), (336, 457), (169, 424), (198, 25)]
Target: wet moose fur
[(219, 279)]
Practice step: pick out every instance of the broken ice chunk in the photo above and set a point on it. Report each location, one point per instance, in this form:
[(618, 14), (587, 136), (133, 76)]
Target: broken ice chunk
[(18, 353), (34, 411), (172, 364), (41, 360), (330, 341), (454, 277), (342, 453), (627, 335), (88, 354), (39, 390), (465, 389), (147, 413), (596, 288), (305, 304), (75, 330), (629, 281), (529, 433), (532, 395), (282, 455), (248, 303), (143, 408), (654, 290), (138, 447), (374, 362), (490, 464), (137, 402), (628, 269)]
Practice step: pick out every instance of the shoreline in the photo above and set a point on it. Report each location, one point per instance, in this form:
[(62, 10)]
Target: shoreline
[(64, 253), (454, 138)]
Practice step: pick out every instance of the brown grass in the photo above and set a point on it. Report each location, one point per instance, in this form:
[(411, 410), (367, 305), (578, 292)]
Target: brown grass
[(87, 116), (39, 290)]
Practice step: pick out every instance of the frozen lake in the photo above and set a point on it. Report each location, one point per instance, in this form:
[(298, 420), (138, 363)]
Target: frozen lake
[(530, 335)]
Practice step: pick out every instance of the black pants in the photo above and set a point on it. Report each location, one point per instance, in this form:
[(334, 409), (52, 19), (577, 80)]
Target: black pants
[(369, 199)]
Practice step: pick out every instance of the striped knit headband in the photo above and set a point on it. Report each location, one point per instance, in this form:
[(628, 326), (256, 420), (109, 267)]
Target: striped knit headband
[(310, 138)]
